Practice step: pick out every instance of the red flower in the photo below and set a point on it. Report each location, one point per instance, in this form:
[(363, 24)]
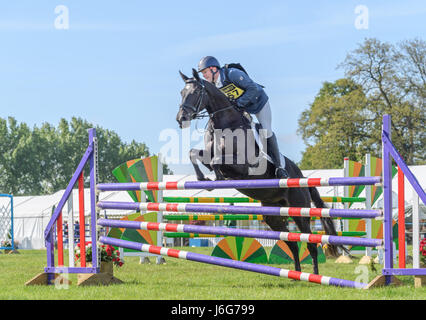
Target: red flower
[(109, 251)]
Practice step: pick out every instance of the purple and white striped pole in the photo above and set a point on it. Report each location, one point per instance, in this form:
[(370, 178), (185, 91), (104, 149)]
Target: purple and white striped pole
[(241, 265), (267, 211), (240, 184), (262, 234)]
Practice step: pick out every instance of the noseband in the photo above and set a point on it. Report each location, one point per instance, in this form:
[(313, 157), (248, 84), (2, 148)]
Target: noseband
[(196, 109)]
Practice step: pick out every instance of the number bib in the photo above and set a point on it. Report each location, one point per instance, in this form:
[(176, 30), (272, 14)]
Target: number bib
[(232, 91)]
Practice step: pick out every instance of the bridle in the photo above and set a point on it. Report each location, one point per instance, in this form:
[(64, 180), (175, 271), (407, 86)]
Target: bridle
[(196, 108)]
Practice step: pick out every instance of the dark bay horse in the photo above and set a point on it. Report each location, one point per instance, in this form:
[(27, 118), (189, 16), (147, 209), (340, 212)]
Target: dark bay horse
[(200, 96)]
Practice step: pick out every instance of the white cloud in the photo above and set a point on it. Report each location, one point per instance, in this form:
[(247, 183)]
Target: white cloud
[(19, 25), (289, 138), (394, 11), (238, 40)]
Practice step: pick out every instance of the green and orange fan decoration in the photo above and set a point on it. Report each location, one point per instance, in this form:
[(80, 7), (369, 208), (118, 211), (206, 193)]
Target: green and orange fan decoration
[(357, 169), (281, 254), (138, 170), (241, 249)]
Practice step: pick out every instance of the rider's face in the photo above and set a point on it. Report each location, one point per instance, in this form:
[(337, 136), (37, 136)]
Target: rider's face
[(207, 74)]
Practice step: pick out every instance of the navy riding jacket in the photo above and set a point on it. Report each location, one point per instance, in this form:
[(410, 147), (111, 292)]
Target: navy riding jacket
[(253, 99)]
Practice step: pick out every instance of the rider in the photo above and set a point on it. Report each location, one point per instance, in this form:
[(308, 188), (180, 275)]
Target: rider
[(247, 95)]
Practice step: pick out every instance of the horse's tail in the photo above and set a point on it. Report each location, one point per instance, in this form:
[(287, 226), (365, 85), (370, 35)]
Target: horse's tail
[(327, 223)]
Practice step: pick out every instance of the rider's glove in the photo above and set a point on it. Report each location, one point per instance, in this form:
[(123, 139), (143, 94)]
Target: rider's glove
[(236, 104)]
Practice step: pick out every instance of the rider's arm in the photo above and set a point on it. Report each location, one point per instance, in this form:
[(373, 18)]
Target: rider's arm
[(251, 89)]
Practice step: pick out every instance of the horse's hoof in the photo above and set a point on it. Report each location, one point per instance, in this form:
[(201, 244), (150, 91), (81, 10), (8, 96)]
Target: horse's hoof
[(203, 179), (281, 173)]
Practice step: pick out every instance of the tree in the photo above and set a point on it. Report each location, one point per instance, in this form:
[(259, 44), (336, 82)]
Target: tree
[(394, 78), (334, 126), (42, 160), (15, 140), (346, 116)]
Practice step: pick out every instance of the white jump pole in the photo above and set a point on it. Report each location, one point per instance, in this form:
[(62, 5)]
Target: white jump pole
[(416, 231), (70, 209)]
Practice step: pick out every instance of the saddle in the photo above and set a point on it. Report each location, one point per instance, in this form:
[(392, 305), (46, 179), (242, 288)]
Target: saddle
[(255, 128)]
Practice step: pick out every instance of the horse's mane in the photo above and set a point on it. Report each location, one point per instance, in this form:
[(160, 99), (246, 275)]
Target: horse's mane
[(215, 93)]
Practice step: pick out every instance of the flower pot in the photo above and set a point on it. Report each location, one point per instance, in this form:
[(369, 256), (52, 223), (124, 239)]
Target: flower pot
[(105, 277), (107, 267)]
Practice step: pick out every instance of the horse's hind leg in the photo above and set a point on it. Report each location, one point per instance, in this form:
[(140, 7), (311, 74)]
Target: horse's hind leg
[(300, 198), (304, 226), (278, 224)]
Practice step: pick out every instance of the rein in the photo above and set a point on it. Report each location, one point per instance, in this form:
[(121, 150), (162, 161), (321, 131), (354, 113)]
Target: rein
[(220, 110), (205, 113)]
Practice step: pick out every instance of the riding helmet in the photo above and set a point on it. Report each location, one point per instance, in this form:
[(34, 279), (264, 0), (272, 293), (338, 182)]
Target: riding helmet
[(207, 62)]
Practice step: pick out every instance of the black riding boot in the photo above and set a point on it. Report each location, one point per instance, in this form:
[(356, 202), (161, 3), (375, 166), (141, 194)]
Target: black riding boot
[(274, 153)]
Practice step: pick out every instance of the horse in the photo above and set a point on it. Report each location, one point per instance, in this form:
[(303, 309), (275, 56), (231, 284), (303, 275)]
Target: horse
[(200, 96)]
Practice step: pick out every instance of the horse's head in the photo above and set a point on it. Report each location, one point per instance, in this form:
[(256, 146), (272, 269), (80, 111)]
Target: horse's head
[(194, 99)]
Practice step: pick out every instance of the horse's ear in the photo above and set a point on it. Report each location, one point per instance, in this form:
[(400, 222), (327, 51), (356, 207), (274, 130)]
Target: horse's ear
[(184, 77), (196, 75)]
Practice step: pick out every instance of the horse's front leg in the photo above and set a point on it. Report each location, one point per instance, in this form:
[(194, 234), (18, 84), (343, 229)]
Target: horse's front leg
[(218, 173), (216, 164), (196, 155)]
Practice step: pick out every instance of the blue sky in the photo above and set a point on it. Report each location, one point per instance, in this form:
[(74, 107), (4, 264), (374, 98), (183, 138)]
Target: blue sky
[(117, 64)]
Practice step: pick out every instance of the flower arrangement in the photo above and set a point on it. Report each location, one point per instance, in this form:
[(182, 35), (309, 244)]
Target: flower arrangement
[(108, 253), (423, 251)]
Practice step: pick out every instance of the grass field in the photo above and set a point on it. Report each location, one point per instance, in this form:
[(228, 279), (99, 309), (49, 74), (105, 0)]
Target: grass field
[(187, 280)]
